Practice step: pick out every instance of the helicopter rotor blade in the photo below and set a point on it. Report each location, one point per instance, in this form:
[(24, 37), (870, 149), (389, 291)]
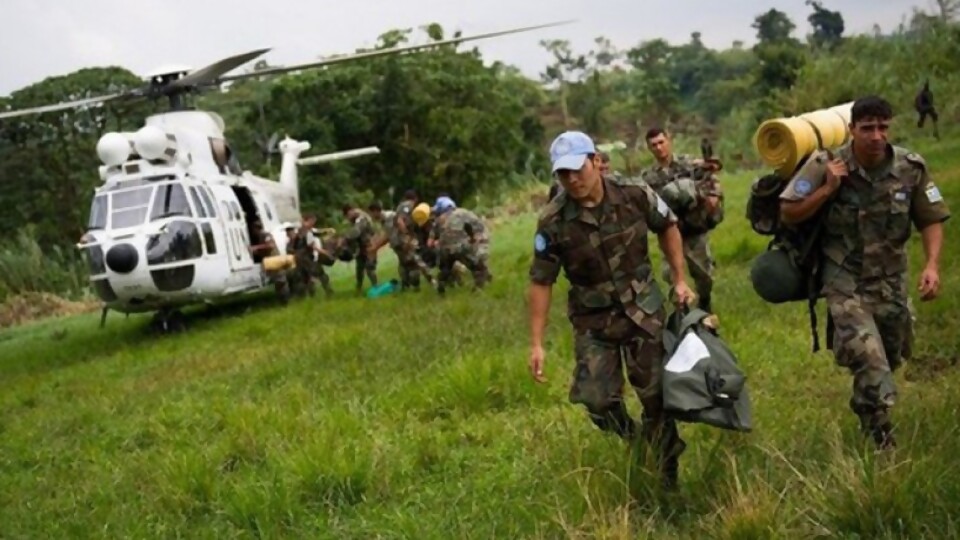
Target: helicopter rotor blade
[(210, 73), (384, 52), (61, 106)]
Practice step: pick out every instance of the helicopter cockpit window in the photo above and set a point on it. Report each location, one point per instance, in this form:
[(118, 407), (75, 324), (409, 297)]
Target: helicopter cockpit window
[(98, 213), (179, 241), (171, 200), (201, 210), (129, 208)]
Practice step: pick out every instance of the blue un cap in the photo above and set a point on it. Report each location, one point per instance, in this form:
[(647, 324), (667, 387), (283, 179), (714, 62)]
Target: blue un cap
[(443, 204), (569, 150)]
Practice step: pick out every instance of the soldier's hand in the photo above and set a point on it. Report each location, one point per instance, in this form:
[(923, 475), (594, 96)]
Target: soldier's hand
[(929, 284), (536, 363), (836, 171), (685, 296)]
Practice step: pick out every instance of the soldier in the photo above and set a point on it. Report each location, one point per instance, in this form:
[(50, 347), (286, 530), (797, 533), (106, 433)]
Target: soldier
[(403, 240), (262, 242), (359, 237), (873, 192), (321, 256), (596, 231), (923, 103), (459, 236), (695, 197)]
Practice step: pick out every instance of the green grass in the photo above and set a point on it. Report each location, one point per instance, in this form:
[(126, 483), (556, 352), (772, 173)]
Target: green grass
[(414, 417)]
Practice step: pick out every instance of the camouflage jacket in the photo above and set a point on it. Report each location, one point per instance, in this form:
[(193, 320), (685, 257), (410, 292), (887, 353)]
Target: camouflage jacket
[(869, 221), (604, 254), (684, 185), (458, 228), (361, 233)]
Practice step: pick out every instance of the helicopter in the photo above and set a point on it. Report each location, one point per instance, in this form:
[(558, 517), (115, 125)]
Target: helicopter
[(175, 218)]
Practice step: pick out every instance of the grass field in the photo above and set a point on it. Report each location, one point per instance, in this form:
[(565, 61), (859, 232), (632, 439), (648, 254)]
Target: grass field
[(414, 417)]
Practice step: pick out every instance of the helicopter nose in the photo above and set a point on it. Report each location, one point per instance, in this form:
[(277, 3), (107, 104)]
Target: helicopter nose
[(122, 258)]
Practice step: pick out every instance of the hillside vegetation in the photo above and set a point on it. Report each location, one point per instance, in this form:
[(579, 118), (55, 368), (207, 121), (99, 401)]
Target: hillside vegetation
[(414, 416)]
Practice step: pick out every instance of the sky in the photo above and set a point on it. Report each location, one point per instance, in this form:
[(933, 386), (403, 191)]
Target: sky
[(42, 38)]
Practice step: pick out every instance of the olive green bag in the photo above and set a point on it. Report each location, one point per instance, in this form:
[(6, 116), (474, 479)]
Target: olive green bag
[(700, 379)]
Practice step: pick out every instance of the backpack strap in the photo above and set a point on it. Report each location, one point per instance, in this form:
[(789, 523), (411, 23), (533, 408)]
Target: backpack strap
[(815, 276)]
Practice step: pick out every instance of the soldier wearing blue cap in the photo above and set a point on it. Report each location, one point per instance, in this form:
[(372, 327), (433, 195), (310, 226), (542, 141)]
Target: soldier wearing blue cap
[(596, 230), (460, 237)]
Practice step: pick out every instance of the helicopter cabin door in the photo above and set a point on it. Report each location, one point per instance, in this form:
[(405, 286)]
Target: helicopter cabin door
[(236, 236)]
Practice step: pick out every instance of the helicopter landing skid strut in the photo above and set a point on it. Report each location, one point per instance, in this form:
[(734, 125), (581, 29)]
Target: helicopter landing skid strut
[(168, 321)]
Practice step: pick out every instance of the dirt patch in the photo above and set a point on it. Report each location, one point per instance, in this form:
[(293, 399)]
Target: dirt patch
[(35, 306)]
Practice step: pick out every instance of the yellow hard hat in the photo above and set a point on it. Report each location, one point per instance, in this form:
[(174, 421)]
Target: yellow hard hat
[(421, 213)]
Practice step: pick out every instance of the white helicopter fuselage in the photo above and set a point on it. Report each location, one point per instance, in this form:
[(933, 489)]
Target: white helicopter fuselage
[(171, 226)]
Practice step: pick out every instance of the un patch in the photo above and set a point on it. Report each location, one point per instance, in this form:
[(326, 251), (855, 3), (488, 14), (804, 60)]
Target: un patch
[(933, 194), (803, 186), (540, 243)]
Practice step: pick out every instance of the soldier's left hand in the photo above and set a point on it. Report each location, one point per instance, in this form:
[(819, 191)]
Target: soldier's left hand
[(929, 284), (685, 296)]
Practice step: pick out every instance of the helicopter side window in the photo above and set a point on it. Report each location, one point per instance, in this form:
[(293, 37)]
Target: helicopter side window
[(98, 213), (201, 210), (129, 208), (171, 200), (237, 215), (266, 210), (208, 238), (205, 195)]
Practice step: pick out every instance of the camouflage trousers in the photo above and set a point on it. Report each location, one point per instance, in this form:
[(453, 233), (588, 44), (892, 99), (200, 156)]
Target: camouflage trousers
[(302, 275), (280, 284), (598, 381), (473, 256), (696, 252), (365, 265), (410, 265), (323, 278), (869, 339)]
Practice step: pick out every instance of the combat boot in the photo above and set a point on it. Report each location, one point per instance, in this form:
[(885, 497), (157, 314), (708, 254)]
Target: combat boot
[(883, 437)]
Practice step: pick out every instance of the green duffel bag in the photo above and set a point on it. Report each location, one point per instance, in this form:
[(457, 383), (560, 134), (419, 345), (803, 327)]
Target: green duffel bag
[(701, 380)]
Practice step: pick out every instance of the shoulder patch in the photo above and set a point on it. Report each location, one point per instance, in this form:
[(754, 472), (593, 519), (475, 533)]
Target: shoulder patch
[(803, 186), (933, 194), (540, 242)]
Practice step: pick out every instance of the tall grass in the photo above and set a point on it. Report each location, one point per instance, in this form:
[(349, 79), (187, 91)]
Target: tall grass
[(27, 267)]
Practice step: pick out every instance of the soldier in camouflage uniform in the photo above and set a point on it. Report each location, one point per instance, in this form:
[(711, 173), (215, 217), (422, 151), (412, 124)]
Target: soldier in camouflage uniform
[(262, 242), (596, 232), (402, 236), (459, 236), (359, 238), (694, 195), (874, 191)]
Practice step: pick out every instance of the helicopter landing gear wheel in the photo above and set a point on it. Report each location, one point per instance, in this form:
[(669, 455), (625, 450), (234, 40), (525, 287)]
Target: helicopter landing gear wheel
[(168, 322)]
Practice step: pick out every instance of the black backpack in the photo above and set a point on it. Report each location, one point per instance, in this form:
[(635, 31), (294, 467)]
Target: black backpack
[(790, 268)]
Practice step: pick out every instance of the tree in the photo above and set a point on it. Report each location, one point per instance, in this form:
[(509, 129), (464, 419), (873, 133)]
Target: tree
[(566, 68), (827, 26), (773, 26)]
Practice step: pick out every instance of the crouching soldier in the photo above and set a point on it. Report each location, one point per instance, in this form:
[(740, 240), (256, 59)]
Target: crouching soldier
[(459, 236)]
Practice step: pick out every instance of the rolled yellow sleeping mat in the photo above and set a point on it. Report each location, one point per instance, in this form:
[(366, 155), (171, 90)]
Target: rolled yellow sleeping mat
[(784, 142), (279, 262)]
